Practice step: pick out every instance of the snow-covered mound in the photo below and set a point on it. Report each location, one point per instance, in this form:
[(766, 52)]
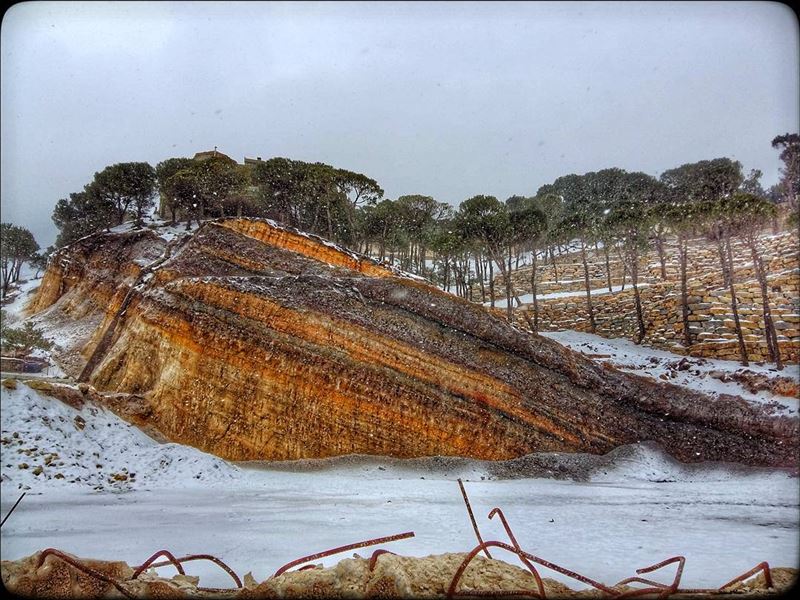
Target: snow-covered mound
[(643, 462), (46, 443)]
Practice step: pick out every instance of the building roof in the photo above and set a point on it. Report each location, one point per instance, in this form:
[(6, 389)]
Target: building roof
[(211, 154)]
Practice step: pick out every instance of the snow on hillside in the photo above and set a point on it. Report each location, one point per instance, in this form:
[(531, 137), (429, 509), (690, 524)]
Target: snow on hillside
[(47, 444), (643, 510), (693, 373), (18, 299)]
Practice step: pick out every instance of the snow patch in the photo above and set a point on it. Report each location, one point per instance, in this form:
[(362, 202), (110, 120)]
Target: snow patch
[(47, 444), (661, 365)]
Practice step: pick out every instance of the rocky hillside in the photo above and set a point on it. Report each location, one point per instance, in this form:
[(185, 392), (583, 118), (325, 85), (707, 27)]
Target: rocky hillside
[(253, 341)]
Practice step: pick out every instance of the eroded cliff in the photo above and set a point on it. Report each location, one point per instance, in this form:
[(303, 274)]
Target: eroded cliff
[(254, 341)]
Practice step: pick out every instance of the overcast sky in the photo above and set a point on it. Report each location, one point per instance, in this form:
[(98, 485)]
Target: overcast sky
[(443, 99)]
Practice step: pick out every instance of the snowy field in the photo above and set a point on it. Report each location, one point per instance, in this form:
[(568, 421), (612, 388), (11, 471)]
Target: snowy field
[(638, 513)]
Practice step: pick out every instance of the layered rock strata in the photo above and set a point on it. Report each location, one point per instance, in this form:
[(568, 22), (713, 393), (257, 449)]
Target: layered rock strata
[(253, 341)]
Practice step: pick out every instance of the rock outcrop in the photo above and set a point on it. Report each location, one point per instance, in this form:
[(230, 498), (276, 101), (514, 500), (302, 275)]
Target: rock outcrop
[(253, 341)]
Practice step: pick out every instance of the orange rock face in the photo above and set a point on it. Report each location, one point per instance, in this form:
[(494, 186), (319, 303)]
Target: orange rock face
[(253, 341)]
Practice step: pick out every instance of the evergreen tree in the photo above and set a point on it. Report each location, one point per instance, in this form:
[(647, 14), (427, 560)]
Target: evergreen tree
[(127, 187), (84, 213), (17, 245)]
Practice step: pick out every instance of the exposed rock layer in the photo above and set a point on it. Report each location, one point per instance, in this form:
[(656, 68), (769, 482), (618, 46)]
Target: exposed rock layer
[(253, 341)]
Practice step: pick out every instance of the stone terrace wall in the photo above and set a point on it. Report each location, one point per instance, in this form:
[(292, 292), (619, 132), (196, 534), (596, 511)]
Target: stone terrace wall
[(712, 326)]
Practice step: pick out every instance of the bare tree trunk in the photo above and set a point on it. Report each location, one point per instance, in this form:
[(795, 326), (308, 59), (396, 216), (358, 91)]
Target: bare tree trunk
[(501, 263), (589, 307), (468, 283), (6, 277), (661, 258), (734, 303), (683, 251), (608, 266), (555, 268), (726, 276), (769, 325), (533, 291), (330, 221), (479, 274), (624, 263), (491, 283), (636, 297)]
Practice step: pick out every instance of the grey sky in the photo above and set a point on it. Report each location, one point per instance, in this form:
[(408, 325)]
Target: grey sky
[(448, 100)]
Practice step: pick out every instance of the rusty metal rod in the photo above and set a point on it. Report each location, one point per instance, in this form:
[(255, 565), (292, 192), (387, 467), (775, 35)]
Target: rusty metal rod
[(536, 559), (152, 559), (525, 561), (451, 590), (681, 560), (374, 558), (640, 580), (472, 517), (209, 557), (643, 592), (762, 566), (364, 544), (84, 568)]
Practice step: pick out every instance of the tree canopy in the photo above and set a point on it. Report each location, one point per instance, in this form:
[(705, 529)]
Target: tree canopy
[(17, 245)]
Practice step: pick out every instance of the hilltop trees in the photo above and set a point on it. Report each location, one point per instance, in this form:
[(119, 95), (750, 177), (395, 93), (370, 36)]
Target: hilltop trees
[(128, 187), (17, 245), (115, 192), (484, 219), (217, 179), (171, 195), (195, 187), (789, 186), (82, 214), (317, 198)]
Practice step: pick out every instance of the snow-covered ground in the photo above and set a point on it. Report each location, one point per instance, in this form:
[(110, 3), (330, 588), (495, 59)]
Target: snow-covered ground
[(259, 519), (528, 298), (13, 310), (92, 448), (694, 374)]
